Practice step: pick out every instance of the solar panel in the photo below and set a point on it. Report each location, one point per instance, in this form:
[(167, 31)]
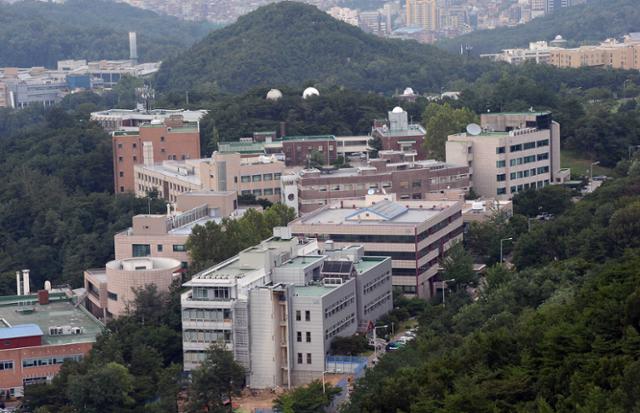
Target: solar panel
[(388, 209), (337, 267)]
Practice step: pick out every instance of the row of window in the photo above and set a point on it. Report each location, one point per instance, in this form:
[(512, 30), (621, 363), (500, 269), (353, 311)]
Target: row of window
[(207, 336), (300, 358), (529, 159), (307, 315), (517, 188), (523, 174), (339, 326), (307, 336), (260, 192), (50, 361), (380, 301), (339, 305), (524, 146), (260, 177), (6, 365), (210, 293), (376, 282), (201, 314), (144, 250)]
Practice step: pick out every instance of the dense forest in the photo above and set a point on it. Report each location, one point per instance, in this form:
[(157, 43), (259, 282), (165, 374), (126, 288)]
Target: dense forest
[(588, 23), (561, 333), (295, 44), (36, 33)]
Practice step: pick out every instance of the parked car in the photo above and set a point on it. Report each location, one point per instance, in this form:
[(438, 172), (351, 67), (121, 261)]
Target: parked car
[(395, 345)]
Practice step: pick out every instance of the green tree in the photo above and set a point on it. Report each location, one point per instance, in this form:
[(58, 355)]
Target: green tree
[(458, 265), (316, 159), (215, 383), (442, 121), (307, 399), (104, 389)]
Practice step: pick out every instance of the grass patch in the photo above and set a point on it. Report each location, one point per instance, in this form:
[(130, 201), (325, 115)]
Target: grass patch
[(579, 165)]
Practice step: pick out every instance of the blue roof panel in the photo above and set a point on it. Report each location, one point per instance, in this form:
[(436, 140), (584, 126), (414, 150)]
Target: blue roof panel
[(22, 330)]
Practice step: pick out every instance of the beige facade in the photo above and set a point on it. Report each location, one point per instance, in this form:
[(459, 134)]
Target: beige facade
[(257, 175), (514, 152), (423, 13), (4, 96), (119, 280), (415, 234), (608, 54)]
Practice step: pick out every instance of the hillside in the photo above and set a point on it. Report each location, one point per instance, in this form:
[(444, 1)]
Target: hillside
[(292, 44), (588, 23), (35, 33)]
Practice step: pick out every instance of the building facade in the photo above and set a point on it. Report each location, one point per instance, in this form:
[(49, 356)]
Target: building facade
[(423, 13), (512, 153), (298, 149), (279, 305), (398, 134), (415, 234), (172, 139), (253, 175), (391, 172)]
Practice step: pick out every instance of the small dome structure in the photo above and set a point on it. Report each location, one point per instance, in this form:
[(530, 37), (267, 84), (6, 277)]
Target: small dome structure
[(310, 91), (558, 37), (397, 109), (408, 91), (274, 94)]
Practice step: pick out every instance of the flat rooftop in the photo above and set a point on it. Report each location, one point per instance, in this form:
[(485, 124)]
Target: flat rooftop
[(172, 172), (25, 310), (339, 216), (366, 263), (186, 229), (312, 291), (302, 261)]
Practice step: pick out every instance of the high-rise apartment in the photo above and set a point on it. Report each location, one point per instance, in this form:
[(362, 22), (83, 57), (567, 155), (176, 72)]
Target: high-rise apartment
[(171, 139), (423, 13)]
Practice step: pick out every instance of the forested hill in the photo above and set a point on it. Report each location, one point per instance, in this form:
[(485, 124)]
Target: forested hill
[(587, 23), (293, 44), (35, 33)]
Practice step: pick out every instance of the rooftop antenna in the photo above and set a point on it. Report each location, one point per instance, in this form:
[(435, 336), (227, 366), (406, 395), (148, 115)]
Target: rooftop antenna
[(474, 129), (146, 94)]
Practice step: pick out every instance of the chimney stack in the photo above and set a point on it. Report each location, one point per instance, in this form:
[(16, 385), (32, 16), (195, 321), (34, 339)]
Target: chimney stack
[(133, 47), (26, 290), (18, 289)]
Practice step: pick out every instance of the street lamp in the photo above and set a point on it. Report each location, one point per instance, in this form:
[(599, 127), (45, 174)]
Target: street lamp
[(444, 286), (591, 175), (324, 390), (501, 241), (375, 344)]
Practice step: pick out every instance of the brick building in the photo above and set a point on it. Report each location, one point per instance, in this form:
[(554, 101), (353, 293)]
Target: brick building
[(398, 134)]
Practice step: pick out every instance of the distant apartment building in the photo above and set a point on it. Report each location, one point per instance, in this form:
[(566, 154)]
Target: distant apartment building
[(254, 175), (344, 14), (391, 172), (278, 306), (423, 13), (398, 134), (131, 119), (415, 234), (509, 153), (171, 139), (39, 333)]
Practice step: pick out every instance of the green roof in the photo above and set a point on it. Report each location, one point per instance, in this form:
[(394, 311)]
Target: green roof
[(302, 261), (366, 263), (519, 113), (312, 291), (309, 138), (242, 147)]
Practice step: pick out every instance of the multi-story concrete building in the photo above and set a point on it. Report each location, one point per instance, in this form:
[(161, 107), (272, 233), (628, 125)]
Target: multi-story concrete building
[(165, 236), (40, 332), (298, 149), (32, 86), (256, 175), (279, 305), (509, 153), (111, 290), (173, 139), (131, 119), (423, 13), (390, 172), (398, 134), (415, 234)]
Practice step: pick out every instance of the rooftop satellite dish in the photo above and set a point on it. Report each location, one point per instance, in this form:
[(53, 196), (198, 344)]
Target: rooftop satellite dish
[(474, 129), (371, 191)]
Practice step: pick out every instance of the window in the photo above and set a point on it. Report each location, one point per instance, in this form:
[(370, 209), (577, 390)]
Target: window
[(276, 175), (416, 184), (135, 146), (6, 365), (245, 178), (307, 315), (298, 315), (245, 192), (308, 358), (529, 145), (299, 337), (179, 248), (267, 177), (543, 156), (500, 149), (276, 191), (299, 358), (501, 164), (501, 177), (256, 178), (515, 148), (308, 337), (135, 158), (501, 191), (119, 158), (141, 250), (268, 191), (122, 189), (112, 296), (512, 175), (257, 192), (529, 159), (162, 139), (544, 142), (119, 146), (121, 174), (159, 247)]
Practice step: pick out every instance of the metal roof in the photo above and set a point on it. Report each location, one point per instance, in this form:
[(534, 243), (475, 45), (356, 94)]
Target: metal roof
[(22, 330)]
